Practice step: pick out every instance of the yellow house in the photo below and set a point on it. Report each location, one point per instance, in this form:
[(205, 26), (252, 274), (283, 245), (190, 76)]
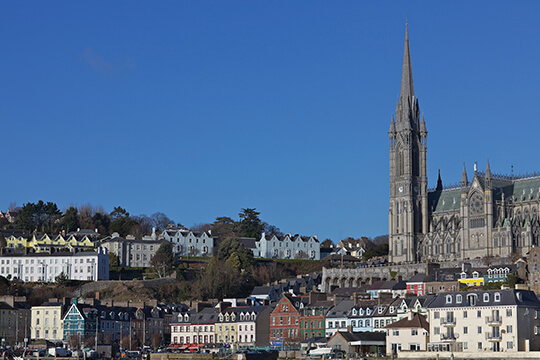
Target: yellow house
[(44, 243), (473, 278), (16, 241), (47, 320)]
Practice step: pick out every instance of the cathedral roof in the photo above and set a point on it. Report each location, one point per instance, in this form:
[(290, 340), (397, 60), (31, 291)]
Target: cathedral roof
[(445, 200)]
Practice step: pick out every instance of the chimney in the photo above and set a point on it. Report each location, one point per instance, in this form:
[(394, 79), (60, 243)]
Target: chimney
[(410, 315), (97, 295)]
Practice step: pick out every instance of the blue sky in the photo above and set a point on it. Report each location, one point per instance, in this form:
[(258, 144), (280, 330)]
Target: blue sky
[(198, 109)]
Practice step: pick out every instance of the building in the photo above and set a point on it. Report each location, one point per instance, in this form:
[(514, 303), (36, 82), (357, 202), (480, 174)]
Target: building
[(190, 243), (288, 247), (23, 316), (131, 252), (533, 264), (410, 333), (337, 317), (494, 320), (490, 215), (285, 322), (362, 343), (8, 322), (46, 320), (46, 267), (313, 319)]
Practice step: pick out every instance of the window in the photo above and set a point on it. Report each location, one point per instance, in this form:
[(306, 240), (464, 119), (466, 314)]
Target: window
[(486, 297), (395, 332), (465, 330), (414, 332), (448, 299), (436, 315), (509, 345), (436, 330), (479, 314), (479, 329), (465, 314), (459, 298), (497, 297), (509, 329), (509, 312), (480, 345)]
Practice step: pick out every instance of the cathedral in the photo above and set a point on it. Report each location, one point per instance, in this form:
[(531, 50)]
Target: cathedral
[(490, 215)]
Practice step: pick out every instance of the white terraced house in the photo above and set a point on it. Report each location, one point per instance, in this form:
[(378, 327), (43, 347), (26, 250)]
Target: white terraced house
[(494, 320), (288, 247)]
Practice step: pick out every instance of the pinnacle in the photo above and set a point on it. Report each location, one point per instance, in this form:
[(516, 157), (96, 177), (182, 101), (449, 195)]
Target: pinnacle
[(407, 88)]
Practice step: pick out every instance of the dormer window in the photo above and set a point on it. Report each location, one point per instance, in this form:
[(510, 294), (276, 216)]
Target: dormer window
[(519, 296), (486, 297), (361, 311), (463, 275), (459, 298), (497, 297), (472, 299), (354, 311), (392, 309), (448, 299), (475, 274)]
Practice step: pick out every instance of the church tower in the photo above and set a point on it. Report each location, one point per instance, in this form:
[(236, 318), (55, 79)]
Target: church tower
[(408, 211)]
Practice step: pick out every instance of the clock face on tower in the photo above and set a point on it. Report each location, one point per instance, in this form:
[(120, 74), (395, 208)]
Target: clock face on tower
[(400, 189), (476, 204)]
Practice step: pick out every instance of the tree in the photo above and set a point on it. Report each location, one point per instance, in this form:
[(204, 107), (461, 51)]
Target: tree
[(379, 250), (113, 259), (224, 227), (250, 223), (271, 230), (232, 246), (61, 279), (71, 219), (160, 221), (121, 221), (40, 216), (512, 280), (327, 243), (3, 242), (301, 255), (163, 260)]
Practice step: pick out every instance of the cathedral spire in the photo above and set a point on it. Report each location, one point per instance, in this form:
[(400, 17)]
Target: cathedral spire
[(439, 182), (488, 170), (407, 88), (464, 180)]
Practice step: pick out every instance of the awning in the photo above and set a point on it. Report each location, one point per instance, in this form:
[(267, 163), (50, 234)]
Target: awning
[(367, 342)]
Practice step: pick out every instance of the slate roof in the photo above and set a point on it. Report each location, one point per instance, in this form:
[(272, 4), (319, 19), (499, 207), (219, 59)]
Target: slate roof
[(366, 336), (418, 321), (420, 277), (522, 298), (341, 309)]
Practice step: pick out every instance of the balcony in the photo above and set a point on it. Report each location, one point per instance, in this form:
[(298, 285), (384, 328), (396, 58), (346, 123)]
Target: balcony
[(448, 322), (448, 337), (493, 320), (493, 337)]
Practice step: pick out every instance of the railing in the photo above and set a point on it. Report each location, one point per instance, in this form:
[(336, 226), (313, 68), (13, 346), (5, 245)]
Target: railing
[(493, 320), (448, 322), (448, 337), (493, 336)]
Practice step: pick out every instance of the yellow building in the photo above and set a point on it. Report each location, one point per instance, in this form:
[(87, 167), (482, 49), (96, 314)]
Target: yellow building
[(47, 321)]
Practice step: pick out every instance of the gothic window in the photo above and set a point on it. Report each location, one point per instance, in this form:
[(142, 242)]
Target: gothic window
[(401, 164), (476, 204)]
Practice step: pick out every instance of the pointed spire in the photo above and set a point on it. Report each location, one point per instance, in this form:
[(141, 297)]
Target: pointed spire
[(439, 182), (488, 170), (464, 180), (392, 126), (423, 129), (407, 88)]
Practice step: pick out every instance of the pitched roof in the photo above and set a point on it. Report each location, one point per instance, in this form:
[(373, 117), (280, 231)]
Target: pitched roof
[(418, 321)]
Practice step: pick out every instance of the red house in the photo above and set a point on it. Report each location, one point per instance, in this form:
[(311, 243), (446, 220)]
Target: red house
[(285, 322)]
